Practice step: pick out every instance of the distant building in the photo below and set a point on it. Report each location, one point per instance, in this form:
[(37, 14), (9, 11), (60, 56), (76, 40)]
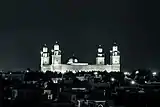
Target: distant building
[(51, 61)]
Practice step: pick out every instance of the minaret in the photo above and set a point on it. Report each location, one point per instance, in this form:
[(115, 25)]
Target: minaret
[(45, 56), (56, 54), (115, 55), (100, 59)]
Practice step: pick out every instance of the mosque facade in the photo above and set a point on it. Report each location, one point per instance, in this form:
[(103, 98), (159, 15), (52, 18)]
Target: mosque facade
[(51, 61)]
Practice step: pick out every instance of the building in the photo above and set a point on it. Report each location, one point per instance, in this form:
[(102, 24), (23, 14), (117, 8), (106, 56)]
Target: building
[(51, 61)]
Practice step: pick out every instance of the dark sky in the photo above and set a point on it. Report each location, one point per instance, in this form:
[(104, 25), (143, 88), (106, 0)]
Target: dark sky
[(79, 26)]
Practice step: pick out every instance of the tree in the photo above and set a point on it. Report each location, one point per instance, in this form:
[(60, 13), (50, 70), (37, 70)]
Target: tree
[(69, 75), (60, 75)]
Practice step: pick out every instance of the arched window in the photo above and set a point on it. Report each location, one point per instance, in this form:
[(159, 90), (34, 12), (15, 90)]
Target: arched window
[(45, 55), (100, 105)]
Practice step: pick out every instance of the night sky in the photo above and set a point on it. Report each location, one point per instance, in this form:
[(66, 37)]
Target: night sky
[(79, 26)]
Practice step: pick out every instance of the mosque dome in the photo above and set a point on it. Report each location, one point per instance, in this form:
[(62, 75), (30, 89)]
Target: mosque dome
[(73, 59)]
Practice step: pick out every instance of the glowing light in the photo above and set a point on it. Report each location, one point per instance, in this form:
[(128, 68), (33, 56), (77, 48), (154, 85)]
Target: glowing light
[(126, 73), (73, 71), (112, 79), (95, 73), (137, 72), (100, 50), (154, 73), (52, 50), (132, 82), (99, 66), (76, 60)]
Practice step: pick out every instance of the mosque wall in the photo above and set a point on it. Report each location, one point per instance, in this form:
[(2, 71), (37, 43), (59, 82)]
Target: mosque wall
[(64, 67), (46, 68)]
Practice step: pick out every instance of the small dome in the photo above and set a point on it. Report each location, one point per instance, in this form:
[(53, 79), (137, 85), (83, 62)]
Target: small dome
[(72, 60)]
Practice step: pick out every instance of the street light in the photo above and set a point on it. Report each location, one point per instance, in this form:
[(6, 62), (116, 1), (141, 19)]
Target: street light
[(137, 72), (95, 73), (154, 73), (112, 79), (126, 73), (132, 82)]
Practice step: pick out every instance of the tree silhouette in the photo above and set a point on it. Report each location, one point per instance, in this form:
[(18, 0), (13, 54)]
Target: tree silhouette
[(70, 75)]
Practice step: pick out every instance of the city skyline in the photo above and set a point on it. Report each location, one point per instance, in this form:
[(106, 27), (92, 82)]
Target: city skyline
[(79, 26)]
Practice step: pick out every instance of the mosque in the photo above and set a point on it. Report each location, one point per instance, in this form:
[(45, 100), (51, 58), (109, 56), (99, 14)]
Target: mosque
[(51, 61)]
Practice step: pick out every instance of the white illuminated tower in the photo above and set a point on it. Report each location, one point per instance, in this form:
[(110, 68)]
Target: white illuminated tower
[(56, 54), (100, 59), (115, 55), (45, 56)]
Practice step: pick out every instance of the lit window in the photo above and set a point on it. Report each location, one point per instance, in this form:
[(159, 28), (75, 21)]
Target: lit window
[(45, 55)]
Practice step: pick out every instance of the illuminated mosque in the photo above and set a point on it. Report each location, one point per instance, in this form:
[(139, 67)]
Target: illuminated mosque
[(51, 61)]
